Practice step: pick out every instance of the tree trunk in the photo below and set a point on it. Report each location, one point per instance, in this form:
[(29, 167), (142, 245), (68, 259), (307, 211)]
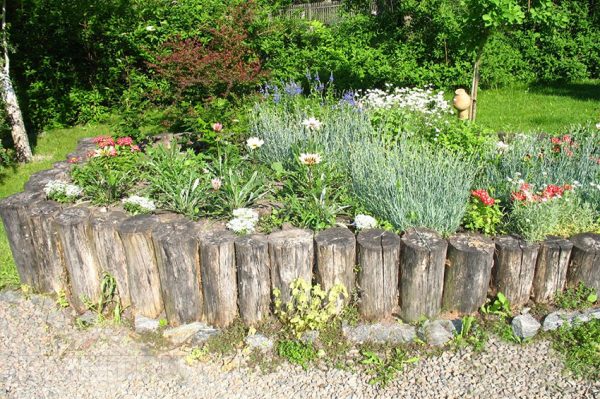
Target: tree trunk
[(15, 117)]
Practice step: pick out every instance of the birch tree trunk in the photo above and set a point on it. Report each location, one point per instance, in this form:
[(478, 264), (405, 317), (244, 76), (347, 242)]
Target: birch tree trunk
[(15, 117)]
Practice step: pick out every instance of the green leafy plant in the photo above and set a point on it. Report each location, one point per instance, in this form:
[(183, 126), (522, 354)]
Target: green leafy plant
[(309, 307), (483, 213), (61, 299), (384, 370), (500, 306), (472, 334), (579, 297), (580, 345), (109, 301), (297, 352)]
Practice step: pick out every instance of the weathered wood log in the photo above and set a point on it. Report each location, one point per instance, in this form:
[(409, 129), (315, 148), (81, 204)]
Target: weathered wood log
[(585, 261), (14, 213), (144, 281), (422, 259), (38, 181), (79, 252), (253, 276), (468, 272), (52, 273), (514, 268), (291, 253), (336, 258), (110, 251), (378, 257), (178, 259), (219, 286), (551, 268)]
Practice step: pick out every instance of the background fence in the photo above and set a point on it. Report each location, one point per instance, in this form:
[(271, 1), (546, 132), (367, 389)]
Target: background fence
[(327, 12)]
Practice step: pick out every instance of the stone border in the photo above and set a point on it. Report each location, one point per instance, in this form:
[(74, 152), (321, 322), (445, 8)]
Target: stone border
[(197, 271)]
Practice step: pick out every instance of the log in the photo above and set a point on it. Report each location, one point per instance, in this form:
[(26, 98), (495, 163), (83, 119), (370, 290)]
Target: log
[(143, 278), (422, 259), (52, 273), (38, 181), (13, 211), (378, 257), (291, 253), (219, 286), (110, 250), (254, 280), (551, 268), (336, 258), (585, 261), (79, 252), (514, 268), (468, 272), (178, 259)]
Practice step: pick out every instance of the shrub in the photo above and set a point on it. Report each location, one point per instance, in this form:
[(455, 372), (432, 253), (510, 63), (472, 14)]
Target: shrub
[(412, 184), (177, 181)]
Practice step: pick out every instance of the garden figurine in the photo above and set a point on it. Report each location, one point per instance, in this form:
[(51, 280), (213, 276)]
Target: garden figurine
[(462, 103)]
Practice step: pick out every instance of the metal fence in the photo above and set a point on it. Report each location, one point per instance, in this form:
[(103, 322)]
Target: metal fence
[(327, 12)]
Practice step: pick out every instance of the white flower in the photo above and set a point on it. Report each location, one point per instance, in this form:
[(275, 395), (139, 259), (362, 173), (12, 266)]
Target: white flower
[(365, 222), (150, 28), (246, 214), (241, 226), (143, 202), (312, 123), (73, 191), (216, 183), (501, 146), (598, 125), (254, 142), (310, 159)]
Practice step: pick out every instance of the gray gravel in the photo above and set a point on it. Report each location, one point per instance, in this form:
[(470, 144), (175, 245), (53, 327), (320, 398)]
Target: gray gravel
[(43, 356)]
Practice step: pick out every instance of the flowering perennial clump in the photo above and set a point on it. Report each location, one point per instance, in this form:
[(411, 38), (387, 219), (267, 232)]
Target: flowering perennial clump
[(108, 147), (365, 222), (61, 191), (136, 204), (484, 197), (244, 221), (424, 101), (526, 193)]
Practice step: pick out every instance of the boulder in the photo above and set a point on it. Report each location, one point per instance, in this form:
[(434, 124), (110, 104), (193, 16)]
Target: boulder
[(525, 326), (437, 332)]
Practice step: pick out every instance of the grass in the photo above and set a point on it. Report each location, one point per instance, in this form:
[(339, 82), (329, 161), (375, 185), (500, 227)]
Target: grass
[(51, 147), (548, 108)]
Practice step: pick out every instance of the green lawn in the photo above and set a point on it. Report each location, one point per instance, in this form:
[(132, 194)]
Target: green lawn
[(544, 108), (51, 147)]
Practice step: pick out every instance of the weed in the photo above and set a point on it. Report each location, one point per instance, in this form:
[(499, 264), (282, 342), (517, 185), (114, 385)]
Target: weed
[(228, 340), (384, 370), (334, 343), (580, 345), (499, 307), (471, 334), (26, 290), (163, 323), (580, 297), (197, 354), (505, 332), (61, 299), (109, 301), (297, 352)]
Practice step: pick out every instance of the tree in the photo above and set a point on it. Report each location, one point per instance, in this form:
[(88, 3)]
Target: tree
[(9, 97)]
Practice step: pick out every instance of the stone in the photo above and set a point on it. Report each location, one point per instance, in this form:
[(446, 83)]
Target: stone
[(525, 326), (593, 313), (379, 333), (10, 296), (204, 334), (179, 335), (556, 319), (145, 324), (260, 342), (437, 332), (309, 337), (88, 318)]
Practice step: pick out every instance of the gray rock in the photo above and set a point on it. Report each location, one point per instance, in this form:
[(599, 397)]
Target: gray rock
[(10, 296), (557, 319), (395, 333), (145, 324), (88, 318), (259, 341), (525, 326), (437, 332), (178, 335), (204, 334), (593, 313)]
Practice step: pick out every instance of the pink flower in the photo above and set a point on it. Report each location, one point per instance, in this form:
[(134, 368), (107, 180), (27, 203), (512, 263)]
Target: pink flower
[(124, 141), (216, 183), (74, 160), (135, 148), (104, 141), (217, 127)]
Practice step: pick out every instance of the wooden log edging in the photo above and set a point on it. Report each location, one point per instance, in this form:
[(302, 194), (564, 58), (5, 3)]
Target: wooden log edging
[(192, 272)]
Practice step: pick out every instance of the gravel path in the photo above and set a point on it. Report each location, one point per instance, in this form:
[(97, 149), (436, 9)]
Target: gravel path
[(43, 356)]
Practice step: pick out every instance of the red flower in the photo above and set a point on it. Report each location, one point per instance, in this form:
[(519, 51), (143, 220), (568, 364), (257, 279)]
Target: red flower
[(518, 196), (104, 141), (566, 138), (124, 141), (74, 160), (525, 187), (483, 196), (555, 140)]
